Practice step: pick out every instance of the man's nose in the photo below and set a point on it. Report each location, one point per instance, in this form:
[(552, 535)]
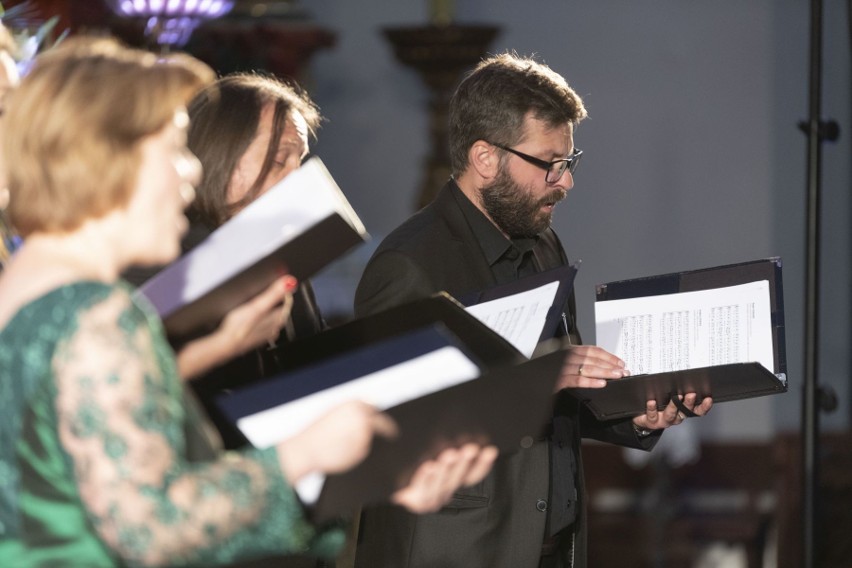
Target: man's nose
[(566, 182)]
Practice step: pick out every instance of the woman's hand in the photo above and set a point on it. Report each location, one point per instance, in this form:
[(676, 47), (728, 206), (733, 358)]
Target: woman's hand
[(337, 441), (259, 320), (341, 439), (435, 481), (245, 327)]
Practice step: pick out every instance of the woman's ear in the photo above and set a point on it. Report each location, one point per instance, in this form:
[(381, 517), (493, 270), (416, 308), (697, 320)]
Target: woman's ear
[(483, 159)]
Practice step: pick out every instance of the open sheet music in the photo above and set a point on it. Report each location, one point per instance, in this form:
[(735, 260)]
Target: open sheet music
[(655, 334), (715, 331), (528, 311), (520, 317)]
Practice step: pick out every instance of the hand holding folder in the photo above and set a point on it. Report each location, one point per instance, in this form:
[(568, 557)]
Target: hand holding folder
[(445, 378), (342, 437), (717, 332), (746, 361)]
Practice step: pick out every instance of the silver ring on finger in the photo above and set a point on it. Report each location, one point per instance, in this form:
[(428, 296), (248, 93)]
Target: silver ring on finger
[(580, 371)]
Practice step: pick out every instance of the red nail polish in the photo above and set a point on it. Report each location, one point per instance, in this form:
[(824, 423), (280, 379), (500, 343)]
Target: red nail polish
[(290, 283)]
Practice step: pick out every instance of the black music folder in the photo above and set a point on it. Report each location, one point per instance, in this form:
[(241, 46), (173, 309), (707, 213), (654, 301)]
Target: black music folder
[(487, 347), (298, 227), (737, 318), (562, 277), (442, 375)]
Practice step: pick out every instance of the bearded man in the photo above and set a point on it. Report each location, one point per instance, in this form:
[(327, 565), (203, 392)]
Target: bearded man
[(513, 158)]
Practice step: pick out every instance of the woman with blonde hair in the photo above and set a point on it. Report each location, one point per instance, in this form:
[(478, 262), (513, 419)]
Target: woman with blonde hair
[(103, 461)]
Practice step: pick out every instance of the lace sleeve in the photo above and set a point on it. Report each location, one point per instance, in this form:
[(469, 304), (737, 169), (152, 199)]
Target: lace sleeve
[(120, 420)]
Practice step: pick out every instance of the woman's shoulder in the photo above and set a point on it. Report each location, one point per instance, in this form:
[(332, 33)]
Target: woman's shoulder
[(68, 299), (58, 311)]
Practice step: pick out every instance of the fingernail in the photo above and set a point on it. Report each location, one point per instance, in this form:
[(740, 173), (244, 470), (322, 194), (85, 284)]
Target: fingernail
[(290, 283), (617, 373), (600, 383)]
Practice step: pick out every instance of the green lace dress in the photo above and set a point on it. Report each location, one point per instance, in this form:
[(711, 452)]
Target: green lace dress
[(103, 462)]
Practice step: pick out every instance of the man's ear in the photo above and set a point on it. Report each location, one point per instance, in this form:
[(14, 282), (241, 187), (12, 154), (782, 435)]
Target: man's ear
[(483, 158)]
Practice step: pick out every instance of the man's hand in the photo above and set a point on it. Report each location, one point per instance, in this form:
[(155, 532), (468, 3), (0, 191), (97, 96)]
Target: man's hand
[(590, 367), (654, 419)]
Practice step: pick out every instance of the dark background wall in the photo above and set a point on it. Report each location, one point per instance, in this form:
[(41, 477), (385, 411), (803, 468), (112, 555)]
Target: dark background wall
[(693, 157)]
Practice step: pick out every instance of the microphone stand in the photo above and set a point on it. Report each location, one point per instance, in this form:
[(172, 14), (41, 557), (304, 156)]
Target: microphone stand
[(815, 398)]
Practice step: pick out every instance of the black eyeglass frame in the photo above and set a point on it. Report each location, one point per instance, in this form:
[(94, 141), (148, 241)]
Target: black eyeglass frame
[(569, 163)]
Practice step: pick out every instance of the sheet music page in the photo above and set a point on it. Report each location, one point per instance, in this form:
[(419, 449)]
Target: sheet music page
[(518, 318), (655, 334), (383, 389)]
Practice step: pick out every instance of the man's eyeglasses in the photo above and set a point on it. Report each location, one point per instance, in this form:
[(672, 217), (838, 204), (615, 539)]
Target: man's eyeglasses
[(555, 169)]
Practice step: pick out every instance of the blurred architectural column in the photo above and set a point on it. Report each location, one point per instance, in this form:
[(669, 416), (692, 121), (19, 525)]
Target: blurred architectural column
[(278, 37), (440, 54)]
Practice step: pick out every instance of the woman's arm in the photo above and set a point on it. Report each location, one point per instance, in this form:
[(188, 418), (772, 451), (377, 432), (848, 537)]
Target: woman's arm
[(121, 421)]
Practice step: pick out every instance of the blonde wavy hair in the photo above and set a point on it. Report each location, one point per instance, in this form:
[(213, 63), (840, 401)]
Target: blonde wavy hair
[(74, 127)]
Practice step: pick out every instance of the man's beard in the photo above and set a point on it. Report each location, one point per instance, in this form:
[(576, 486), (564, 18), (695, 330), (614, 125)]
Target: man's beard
[(513, 208)]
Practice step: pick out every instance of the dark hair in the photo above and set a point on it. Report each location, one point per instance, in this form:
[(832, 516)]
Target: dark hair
[(493, 100), (223, 122)]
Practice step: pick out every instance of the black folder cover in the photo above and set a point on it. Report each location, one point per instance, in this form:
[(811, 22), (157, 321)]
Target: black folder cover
[(249, 263), (507, 405), (486, 347), (628, 396), (483, 346), (335, 371)]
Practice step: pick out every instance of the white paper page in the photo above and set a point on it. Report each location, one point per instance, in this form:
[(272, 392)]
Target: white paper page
[(309, 487), (655, 334), (383, 389), (292, 206), (518, 318)]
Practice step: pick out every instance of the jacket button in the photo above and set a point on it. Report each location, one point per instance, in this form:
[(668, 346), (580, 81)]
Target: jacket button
[(541, 505)]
